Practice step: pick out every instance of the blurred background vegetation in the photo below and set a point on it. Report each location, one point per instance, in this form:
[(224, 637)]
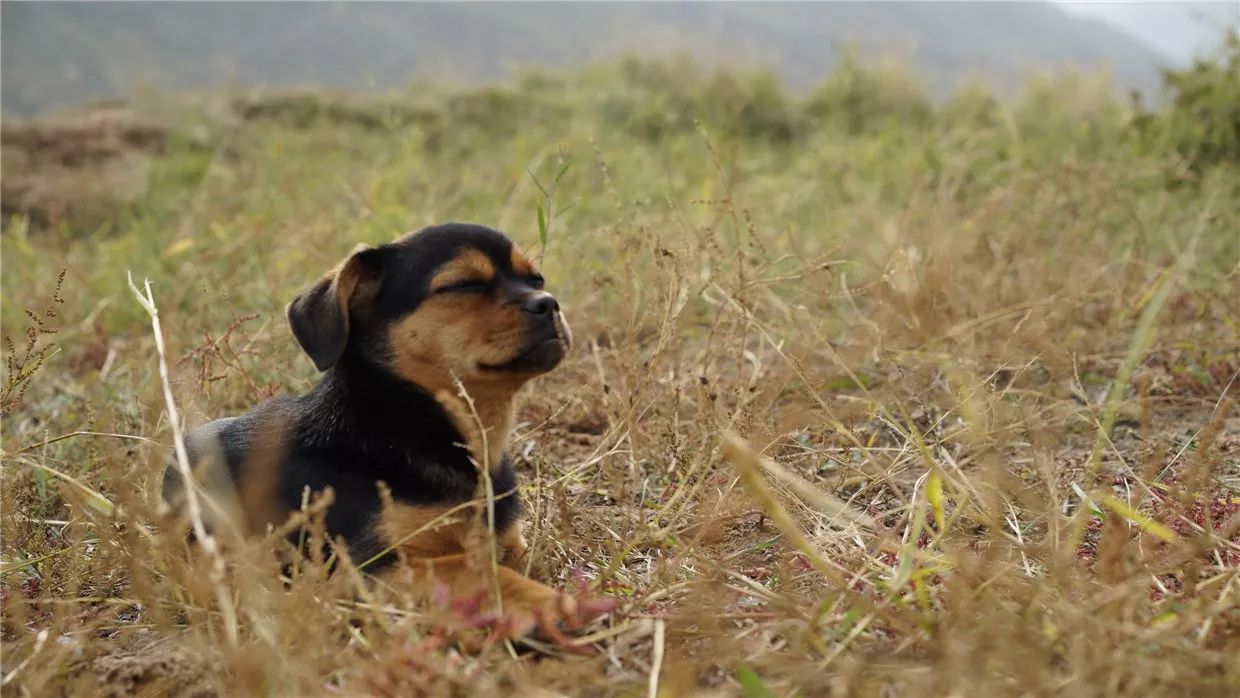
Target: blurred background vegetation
[(936, 271)]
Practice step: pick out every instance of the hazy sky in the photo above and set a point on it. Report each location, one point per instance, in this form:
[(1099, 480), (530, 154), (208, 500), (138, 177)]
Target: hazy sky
[(1178, 30)]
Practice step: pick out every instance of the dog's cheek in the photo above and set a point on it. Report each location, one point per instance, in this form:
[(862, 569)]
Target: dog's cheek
[(479, 339), (417, 349), (460, 327), (497, 320), (460, 347), (513, 325)]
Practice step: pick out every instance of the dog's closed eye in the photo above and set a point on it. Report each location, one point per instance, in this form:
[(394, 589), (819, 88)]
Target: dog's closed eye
[(464, 286)]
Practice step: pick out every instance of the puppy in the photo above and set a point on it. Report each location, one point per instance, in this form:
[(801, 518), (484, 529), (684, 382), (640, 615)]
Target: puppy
[(423, 344)]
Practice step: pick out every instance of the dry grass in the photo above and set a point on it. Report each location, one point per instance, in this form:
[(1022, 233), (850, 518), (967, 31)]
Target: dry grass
[(981, 375)]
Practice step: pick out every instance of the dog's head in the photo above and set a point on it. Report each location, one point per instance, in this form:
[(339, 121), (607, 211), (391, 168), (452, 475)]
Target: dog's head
[(449, 301)]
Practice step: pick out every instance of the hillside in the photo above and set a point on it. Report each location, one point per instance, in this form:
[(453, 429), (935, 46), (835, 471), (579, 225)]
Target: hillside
[(58, 55)]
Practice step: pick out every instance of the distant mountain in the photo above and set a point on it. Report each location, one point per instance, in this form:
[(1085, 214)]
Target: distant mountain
[(1180, 30), (61, 54)]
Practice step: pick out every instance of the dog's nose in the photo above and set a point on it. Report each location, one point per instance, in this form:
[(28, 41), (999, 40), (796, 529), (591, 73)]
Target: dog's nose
[(541, 304)]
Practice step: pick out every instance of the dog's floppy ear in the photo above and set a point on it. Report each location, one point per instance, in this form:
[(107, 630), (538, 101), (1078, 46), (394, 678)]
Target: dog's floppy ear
[(320, 316)]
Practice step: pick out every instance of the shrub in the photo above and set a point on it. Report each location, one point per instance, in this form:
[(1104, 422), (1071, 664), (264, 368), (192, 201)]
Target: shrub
[(862, 99), (1203, 121)]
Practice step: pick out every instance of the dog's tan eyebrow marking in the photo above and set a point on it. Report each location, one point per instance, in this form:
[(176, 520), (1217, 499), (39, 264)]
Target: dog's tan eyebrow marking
[(468, 265), (521, 265)]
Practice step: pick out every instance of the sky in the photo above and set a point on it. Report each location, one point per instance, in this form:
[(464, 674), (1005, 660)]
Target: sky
[(1178, 30)]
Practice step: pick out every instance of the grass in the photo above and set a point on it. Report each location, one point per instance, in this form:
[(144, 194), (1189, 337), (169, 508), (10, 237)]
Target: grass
[(871, 396)]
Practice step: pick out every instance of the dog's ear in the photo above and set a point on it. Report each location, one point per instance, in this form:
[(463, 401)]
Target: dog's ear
[(320, 316)]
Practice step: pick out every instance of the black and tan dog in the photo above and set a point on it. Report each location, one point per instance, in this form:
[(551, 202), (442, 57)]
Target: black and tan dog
[(400, 331)]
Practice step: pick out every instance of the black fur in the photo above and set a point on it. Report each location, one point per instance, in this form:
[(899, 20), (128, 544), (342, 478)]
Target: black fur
[(363, 424)]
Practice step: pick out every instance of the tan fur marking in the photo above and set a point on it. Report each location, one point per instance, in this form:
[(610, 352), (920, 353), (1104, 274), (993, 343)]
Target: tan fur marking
[(432, 539), (342, 280), (469, 264), (521, 264), (526, 602), (522, 597), (425, 531), (347, 280), (434, 530), (513, 546), (492, 409)]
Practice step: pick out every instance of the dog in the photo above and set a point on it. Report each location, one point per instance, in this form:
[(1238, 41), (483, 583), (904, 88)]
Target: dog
[(423, 344)]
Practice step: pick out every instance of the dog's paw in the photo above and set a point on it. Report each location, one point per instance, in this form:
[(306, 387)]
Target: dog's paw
[(557, 619), (550, 616)]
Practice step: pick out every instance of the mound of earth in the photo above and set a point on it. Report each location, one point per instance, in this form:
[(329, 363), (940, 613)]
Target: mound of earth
[(78, 170)]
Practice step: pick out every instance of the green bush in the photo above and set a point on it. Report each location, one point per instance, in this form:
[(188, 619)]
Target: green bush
[(859, 98), (657, 100), (750, 106), (1203, 121)]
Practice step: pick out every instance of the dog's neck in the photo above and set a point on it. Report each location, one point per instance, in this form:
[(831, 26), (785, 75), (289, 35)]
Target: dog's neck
[(483, 415), (379, 405)]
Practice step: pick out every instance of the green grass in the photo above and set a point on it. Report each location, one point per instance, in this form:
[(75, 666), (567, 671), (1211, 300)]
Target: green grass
[(917, 311)]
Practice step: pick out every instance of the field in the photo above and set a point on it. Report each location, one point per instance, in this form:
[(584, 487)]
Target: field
[(871, 395)]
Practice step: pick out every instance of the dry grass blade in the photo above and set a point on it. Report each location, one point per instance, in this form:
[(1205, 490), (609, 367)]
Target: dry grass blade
[(205, 540), (70, 435), (656, 658)]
